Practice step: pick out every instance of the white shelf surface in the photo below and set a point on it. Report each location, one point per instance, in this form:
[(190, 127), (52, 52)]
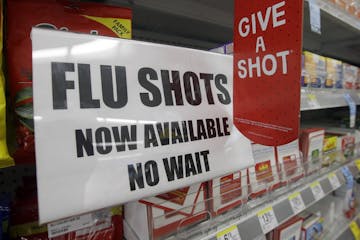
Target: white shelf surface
[(319, 98)]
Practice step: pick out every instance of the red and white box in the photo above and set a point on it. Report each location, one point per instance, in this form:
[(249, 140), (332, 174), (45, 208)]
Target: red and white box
[(289, 161), (264, 174), (164, 214), (311, 145), (291, 229), (228, 192)]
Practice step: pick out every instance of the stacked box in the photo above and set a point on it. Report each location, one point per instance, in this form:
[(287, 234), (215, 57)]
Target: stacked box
[(329, 149), (315, 66), (334, 71), (350, 76)]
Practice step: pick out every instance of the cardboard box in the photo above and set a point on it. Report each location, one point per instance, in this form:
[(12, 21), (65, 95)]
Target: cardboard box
[(315, 66), (264, 174), (350, 76), (164, 214), (290, 230), (311, 145), (334, 71), (330, 153), (312, 228), (346, 140), (289, 161), (228, 192)]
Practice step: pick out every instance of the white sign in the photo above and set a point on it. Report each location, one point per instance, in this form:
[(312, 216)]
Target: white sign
[(119, 120), (334, 180), (231, 233), (296, 202), (267, 219), (317, 190)]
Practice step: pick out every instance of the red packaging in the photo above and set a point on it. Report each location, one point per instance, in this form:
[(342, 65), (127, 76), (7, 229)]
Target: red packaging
[(63, 15), (107, 223)]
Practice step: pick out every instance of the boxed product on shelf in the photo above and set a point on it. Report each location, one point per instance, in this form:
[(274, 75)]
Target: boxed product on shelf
[(22, 15), (227, 192), (289, 161), (311, 145), (5, 159), (312, 228), (264, 174), (334, 71), (290, 230), (99, 225), (346, 139), (329, 149), (350, 76), (315, 66), (164, 214), (304, 75)]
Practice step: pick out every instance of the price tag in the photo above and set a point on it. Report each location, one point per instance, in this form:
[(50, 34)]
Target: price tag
[(317, 190), (355, 230), (315, 19), (334, 180), (357, 163), (296, 202), (231, 233), (352, 108), (312, 100), (267, 219)]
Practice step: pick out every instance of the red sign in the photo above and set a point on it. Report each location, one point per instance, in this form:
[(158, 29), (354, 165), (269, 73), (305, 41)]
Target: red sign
[(267, 62)]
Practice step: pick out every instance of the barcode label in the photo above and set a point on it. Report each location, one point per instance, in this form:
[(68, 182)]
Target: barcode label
[(267, 219), (231, 233), (296, 202), (334, 181), (317, 190)]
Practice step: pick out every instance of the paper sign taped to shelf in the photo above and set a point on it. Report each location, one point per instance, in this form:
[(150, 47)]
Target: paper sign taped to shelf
[(118, 120), (334, 180), (231, 233), (317, 190), (267, 62)]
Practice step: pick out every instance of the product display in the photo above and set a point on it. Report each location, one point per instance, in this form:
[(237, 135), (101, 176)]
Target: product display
[(166, 213), (311, 145), (312, 228), (289, 161), (350, 76), (315, 66), (103, 224), (334, 71), (62, 15), (170, 130), (264, 175), (290, 230), (5, 159), (228, 192)]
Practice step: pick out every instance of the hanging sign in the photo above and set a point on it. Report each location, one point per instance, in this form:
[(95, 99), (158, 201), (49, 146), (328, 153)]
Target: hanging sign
[(119, 120), (267, 62)]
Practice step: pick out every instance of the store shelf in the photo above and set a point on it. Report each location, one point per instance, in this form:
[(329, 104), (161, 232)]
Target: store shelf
[(246, 218), (313, 99), (338, 13)]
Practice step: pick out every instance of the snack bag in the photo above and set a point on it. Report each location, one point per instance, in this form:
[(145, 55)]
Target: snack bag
[(64, 15), (5, 159)]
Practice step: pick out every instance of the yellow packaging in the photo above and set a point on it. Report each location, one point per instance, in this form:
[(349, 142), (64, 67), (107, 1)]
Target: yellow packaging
[(329, 150), (334, 71), (5, 159), (315, 66)]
